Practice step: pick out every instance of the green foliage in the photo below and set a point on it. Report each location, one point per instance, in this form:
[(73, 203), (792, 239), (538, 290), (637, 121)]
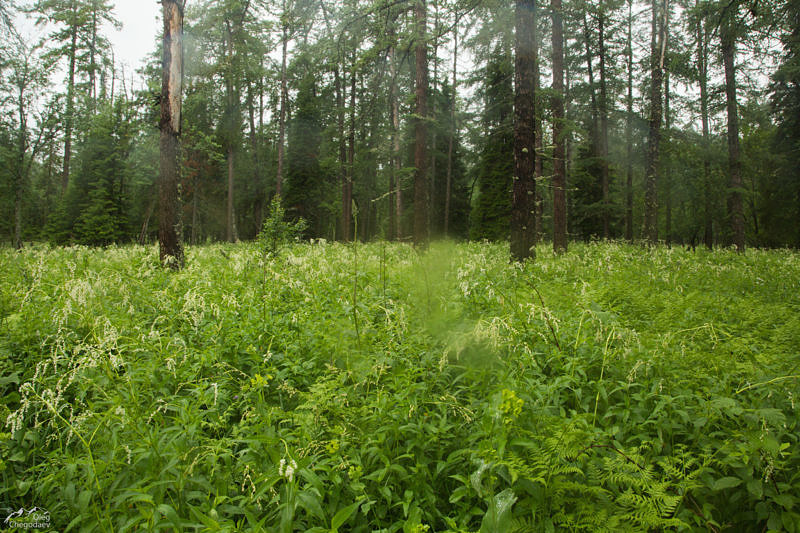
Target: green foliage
[(276, 232), (647, 390), (492, 214)]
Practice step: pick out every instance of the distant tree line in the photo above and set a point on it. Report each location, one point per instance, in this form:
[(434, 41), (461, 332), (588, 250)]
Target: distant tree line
[(674, 121)]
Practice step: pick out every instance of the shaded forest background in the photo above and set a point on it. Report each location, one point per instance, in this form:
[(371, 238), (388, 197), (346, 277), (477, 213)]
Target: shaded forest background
[(315, 99)]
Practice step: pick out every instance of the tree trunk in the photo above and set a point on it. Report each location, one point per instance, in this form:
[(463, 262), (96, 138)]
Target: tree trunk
[(629, 131), (702, 62), (603, 111), (351, 148), (170, 226), (92, 62), (256, 148), (396, 163), (449, 185), (346, 200), (231, 102), (654, 139), (19, 172), (70, 111), (538, 136), (282, 116), (421, 129), (667, 169), (559, 142), (592, 95), (735, 209), (523, 234), (432, 197)]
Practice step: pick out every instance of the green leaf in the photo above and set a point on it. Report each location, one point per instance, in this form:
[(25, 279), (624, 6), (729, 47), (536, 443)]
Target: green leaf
[(498, 517), (727, 483), (342, 515)]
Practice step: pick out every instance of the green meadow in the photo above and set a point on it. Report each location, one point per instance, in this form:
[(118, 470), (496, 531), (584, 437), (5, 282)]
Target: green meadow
[(374, 388)]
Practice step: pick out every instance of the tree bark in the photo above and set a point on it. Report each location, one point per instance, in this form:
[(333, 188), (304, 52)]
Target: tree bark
[(523, 234), (654, 138), (346, 200), (559, 142), (432, 197), (735, 209), (538, 136), (629, 130), (392, 233), (170, 227), (282, 115), (421, 129), (351, 150), (603, 111), (231, 103), (70, 111), (667, 169), (449, 185), (702, 62)]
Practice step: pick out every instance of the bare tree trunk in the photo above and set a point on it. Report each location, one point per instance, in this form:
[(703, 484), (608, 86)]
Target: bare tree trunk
[(346, 200), (256, 148), (667, 169), (351, 148), (538, 135), (592, 95), (735, 209), (421, 129), (282, 117), (432, 196), (392, 233), (92, 62), (559, 142), (70, 112), (396, 163), (170, 227), (231, 102), (629, 130), (657, 44), (19, 172), (523, 234), (702, 62), (603, 110), (449, 185)]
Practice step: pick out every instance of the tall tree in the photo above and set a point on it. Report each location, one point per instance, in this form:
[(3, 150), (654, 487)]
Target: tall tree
[(702, 73), (26, 79), (523, 223), (76, 39), (559, 139), (728, 35), (449, 185), (629, 128), (657, 51), (603, 112), (284, 96), (170, 225), (420, 126)]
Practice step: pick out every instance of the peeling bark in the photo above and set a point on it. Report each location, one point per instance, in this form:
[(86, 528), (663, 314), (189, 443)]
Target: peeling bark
[(170, 227)]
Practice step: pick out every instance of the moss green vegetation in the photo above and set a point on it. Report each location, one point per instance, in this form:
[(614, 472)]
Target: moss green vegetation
[(366, 388)]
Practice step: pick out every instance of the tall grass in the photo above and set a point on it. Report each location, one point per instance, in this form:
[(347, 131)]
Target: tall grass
[(613, 388)]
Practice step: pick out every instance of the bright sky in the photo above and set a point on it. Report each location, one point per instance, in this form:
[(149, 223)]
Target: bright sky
[(141, 24)]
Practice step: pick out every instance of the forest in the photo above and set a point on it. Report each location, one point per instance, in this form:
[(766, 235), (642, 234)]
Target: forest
[(458, 266), (672, 121)]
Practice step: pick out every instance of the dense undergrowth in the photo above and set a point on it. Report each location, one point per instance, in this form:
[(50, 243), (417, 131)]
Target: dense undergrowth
[(369, 388)]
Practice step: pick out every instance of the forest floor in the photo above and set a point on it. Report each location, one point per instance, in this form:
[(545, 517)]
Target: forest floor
[(370, 388)]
